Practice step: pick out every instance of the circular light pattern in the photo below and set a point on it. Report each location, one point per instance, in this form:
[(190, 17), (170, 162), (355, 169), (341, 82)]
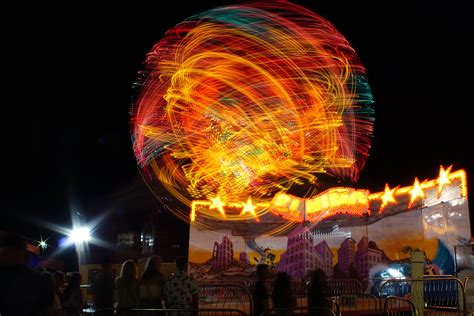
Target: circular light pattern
[(247, 100)]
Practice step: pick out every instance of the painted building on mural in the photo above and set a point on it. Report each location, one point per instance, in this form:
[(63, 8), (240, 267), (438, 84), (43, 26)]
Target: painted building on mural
[(346, 255), (244, 258), (301, 255), (367, 256), (222, 254), (327, 257)]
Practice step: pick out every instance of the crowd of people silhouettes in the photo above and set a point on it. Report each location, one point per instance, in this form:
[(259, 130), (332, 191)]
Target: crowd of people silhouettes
[(28, 291)]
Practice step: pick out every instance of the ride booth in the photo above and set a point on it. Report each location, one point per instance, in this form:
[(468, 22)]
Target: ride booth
[(365, 242)]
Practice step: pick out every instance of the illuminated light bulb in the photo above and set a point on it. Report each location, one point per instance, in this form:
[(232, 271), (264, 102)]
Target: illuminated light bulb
[(216, 203), (443, 178), (388, 197), (416, 192)]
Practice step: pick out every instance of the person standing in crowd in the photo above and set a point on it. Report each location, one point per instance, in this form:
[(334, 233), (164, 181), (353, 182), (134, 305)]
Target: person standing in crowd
[(56, 308), (259, 291), (318, 292), (73, 301), (282, 294), (103, 287), (126, 286), (23, 292), (59, 281), (150, 288), (180, 290)]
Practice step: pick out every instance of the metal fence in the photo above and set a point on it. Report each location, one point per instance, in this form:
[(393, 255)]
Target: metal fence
[(298, 287), (397, 306), (469, 294), (225, 296), (167, 312), (344, 286), (313, 311), (438, 295), (361, 303)]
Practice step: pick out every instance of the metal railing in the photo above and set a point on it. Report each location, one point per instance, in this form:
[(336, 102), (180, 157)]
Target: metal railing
[(311, 311), (299, 290), (225, 296), (367, 303), (372, 285), (444, 294), (344, 286), (239, 282), (469, 294), (168, 312), (397, 306)]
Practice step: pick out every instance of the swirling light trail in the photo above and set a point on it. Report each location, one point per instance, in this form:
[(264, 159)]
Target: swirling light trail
[(248, 100)]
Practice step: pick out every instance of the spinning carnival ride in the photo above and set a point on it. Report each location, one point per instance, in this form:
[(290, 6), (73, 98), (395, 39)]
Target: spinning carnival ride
[(241, 102), (246, 116)]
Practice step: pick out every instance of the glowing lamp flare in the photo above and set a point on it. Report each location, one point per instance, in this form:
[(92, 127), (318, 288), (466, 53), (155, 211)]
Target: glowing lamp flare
[(80, 235), (43, 245)]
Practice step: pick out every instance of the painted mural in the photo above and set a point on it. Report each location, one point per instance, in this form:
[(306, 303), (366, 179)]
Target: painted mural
[(343, 247)]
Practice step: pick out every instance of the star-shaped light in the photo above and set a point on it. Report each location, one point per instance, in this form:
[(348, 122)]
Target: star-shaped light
[(443, 178), (216, 203), (416, 192), (248, 208), (43, 245), (387, 196)]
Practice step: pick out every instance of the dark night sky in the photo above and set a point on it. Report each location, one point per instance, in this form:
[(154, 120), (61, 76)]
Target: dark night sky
[(67, 124)]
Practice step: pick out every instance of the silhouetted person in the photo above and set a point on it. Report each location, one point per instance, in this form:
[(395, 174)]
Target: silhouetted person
[(259, 291), (22, 290), (282, 294), (73, 301), (126, 287), (55, 308), (151, 284), (318, 292), (59, 282), (181, 291), (103, 284)]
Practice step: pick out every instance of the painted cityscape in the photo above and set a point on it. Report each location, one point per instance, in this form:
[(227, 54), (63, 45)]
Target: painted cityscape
[(357, 252)]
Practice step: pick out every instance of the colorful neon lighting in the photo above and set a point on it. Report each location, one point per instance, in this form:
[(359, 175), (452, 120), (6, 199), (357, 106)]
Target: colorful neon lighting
[(388, 197), (249, 100), (216, 203), (416, 192), (443, 178), (324, 205), (336, 201), (248, 208)]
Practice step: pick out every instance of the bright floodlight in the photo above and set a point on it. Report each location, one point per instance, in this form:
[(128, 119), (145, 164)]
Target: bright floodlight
[(80, 234), (43, 244)]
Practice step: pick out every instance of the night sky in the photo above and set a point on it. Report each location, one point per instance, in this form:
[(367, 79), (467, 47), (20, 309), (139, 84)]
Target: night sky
[(66, 123)]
